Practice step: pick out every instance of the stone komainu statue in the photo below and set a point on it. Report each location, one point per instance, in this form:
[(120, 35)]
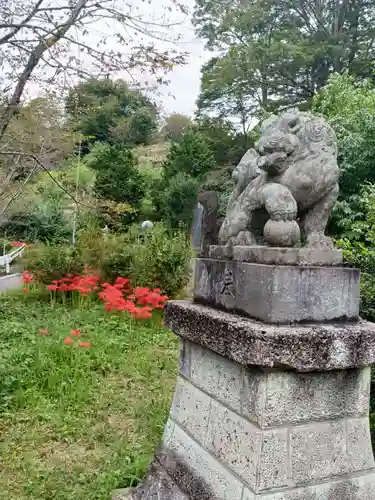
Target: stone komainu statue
[(286, 186)]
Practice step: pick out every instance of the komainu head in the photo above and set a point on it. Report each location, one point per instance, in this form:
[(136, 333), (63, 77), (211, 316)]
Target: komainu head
[(293, 136)]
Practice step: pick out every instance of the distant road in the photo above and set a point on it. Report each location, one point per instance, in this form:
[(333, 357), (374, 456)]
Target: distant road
[(10, 281)]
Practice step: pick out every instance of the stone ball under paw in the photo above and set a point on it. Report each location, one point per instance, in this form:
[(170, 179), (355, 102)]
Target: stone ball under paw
[(281, 233)]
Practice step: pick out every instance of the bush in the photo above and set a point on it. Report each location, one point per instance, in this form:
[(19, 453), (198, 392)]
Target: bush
[(349, 106), (176, 202), (158, 259), (45, 222), (117, 176), (357, 255), (190, 155), (48, 262), (162, 260)]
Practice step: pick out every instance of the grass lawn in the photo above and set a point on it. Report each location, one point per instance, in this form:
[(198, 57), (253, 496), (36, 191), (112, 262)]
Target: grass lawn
[(78, 422)]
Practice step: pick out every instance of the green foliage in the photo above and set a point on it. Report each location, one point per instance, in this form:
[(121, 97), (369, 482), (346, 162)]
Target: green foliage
[(176, 202), (225, 94), (226, 143), (190, 155), (44, 222), (175, 126), (349, 105), (157, 259), (52, 261), (359, 251), (162, 259), (85, 420), (117, 177), (273, 54), (110, 111), (174, 195)]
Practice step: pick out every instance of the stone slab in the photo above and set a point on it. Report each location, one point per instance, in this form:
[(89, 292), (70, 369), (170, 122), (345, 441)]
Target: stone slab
[(357, 488), (304, 348), (122, 494), (268, 397), (195, 469), (318, 451), (218, 376), (235, 442), (279, 294), (278, 255), (191, 409), (283, 397)]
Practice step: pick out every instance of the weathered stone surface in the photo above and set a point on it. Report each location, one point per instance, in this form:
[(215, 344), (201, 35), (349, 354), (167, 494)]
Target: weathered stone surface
[(359, 444), (158, 484), (210, 225), (184, 358), (304, 348), (122, 494), (282, 256), (279, 294), (191, 409), (318, 451), (254, 395), (358, 488), (293, 173), (280, 397), (235, 442), (220, 377), (201, 464), (273, 469)]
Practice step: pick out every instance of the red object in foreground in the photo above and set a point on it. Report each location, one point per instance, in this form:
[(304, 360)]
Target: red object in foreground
[(27, 277), (138, 302), (68, 340), (17, 244), (84, 344), (76, 333)]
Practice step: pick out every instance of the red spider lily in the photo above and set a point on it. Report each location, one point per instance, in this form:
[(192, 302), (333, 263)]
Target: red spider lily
[(85, 344), (43, 331), (75, 333), (68, 341), (119, 296), (27, 277), (83, 284)]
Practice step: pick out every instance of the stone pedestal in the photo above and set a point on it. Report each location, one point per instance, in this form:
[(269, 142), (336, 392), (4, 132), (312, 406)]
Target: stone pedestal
[(268, 410)]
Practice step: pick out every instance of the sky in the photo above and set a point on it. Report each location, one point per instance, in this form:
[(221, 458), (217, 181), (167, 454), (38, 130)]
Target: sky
[(182, 92), (180, 96)]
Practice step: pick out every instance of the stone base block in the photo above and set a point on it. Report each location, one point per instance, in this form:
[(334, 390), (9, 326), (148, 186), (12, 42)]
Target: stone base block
[(278, 256), (278, 294), (304, 348), (243, 433)]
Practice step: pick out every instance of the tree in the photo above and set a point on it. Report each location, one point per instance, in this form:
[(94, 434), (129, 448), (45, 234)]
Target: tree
[(227, 144), (276, 53), (226, 94), (175, 126), (110, 111), (45, 42), (349, 106), (39, 129), (117, 176), (190, 155), (178, 199)]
